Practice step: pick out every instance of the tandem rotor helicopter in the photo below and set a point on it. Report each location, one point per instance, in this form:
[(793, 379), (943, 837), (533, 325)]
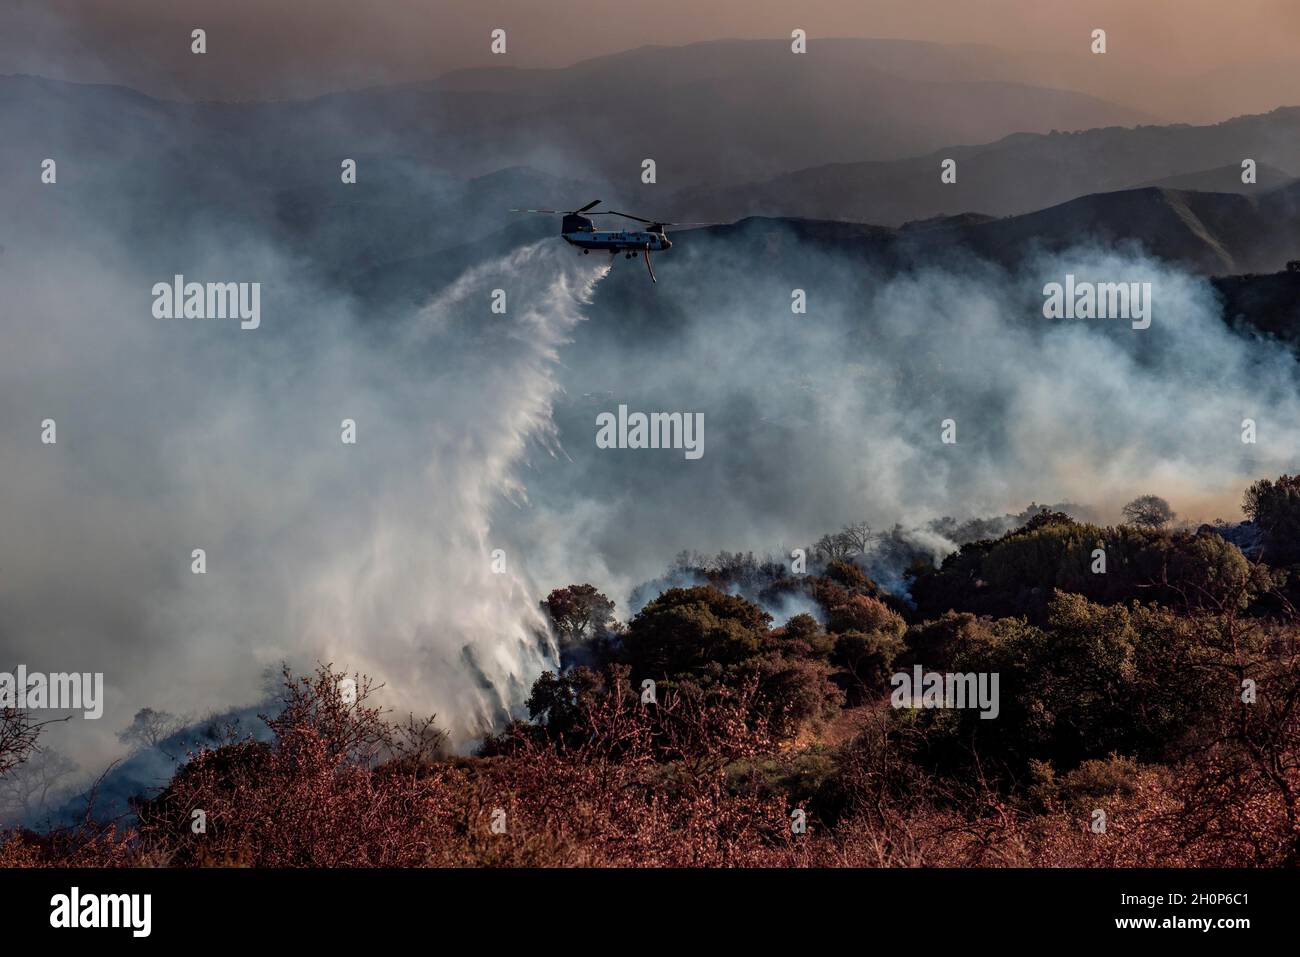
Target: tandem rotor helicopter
[(579, 230)]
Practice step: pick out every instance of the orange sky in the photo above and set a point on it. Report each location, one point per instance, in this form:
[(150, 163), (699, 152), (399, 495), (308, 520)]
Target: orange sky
[(267, 48)]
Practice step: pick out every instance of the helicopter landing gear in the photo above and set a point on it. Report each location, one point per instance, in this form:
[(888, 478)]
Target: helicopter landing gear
[(586, 252)]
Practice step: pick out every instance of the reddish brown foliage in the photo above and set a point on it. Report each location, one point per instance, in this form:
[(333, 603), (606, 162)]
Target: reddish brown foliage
[(676, 784)]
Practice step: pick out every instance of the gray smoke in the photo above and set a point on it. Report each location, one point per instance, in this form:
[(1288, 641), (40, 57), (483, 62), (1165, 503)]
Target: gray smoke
[(182, 434), (817, 420)]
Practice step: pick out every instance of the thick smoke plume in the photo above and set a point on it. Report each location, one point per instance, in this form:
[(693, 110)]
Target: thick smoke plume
[(815, 421), (421, 593), (181, 434)]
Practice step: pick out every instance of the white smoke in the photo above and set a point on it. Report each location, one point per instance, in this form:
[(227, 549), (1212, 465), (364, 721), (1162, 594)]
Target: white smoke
[(819, 420), (183, 434), (424, 597)]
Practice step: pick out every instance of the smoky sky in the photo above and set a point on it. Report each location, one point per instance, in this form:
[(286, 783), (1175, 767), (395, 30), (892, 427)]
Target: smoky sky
[(1166, 54), (477, 431)]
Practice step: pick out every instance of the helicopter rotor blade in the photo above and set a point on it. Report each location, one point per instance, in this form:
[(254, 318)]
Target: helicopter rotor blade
[(658, 223), (654, 224), (649, 222), (561, 212)]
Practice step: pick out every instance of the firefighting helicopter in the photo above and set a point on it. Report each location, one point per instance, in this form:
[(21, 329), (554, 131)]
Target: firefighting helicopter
[(577, 229)]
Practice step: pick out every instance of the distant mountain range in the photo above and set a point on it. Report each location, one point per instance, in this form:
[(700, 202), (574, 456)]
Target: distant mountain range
[(1215, 234), (1210, 233), (441, 164), (724, 111), (1019, 173)]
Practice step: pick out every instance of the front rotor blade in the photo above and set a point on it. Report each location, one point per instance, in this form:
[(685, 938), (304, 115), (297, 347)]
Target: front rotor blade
[(648, 222)]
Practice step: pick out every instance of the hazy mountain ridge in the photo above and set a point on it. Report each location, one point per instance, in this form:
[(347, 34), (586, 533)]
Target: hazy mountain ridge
[(738, 109), (408, 224), (1209, 233), (1214, 234), (1019, 173), (1254, 87)]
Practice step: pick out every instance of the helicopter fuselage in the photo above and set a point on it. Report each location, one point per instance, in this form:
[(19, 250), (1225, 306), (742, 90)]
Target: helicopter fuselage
[(579, 230), (620, 240)]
